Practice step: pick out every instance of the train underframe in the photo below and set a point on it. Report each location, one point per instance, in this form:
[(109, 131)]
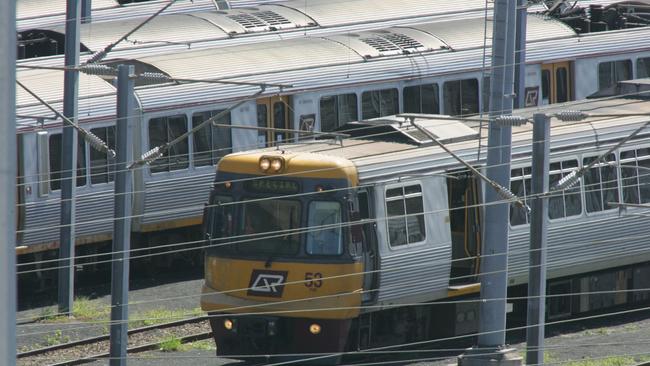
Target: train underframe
[(431, 325)]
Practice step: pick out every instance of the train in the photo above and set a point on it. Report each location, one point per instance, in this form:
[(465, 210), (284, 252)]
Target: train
[(374, 240), (435, 67)]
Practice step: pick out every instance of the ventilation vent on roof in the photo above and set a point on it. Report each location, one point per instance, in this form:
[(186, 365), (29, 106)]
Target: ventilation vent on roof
[(271, 17), (389, 42), (380, 44), (247, 20), (403, 41)]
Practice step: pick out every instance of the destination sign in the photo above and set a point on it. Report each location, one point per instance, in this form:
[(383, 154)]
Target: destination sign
[(272, 186)]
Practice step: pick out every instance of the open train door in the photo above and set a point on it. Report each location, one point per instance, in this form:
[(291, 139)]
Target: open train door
[(556, 83), (463, 190), (273, 113)]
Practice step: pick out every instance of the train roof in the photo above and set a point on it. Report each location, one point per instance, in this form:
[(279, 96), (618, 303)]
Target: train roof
[(379, 157), (32, 14)]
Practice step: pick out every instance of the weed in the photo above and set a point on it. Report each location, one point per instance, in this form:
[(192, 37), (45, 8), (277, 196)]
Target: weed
[(160, 315), (609, 361), (171, 344), (86, 309), (56, 338), (203, 345)]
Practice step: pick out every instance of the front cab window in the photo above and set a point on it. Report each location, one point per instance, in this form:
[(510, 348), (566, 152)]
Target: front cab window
[(324, 225)]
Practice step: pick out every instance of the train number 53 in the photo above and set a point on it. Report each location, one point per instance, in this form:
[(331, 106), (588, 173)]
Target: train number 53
[(313, 279)]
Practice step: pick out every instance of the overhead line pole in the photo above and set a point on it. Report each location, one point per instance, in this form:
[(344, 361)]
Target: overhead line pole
[(69, 158), (8, 182), (520, 54), (494, 263), (122, 223), (537, 254)]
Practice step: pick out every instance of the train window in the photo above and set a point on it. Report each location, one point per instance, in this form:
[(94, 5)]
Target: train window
[(561, 84), (609, 73), (279, 120), (378, 103), (546, 86), (461, 97), (163, 130), (600, 184), (263, 220), (635, 175), (102, 165), (262, 115), (55, 161), (520, 185), (643, 68), (405, 215), (421, 99), (324, 225), (336, 110), (211, 142), (566, 203)]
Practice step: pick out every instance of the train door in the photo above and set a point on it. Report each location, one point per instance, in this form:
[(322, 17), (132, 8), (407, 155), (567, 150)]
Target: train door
[(556, 83), (273, 113), (465, 223)]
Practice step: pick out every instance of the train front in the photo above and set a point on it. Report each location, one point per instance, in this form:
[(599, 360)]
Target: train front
[(283, 275)]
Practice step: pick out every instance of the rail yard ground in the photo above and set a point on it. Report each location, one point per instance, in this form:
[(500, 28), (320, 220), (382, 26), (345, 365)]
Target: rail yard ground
[(619, 340)]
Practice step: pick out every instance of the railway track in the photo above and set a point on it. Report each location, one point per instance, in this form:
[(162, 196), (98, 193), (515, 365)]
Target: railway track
[(140, 339)]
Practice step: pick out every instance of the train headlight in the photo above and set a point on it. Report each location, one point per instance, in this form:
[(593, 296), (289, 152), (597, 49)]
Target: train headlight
[(229, 324), (314, 329), (265, 163), (276, 165)]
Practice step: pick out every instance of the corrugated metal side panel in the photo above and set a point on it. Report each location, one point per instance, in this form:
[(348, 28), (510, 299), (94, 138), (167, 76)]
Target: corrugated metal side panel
[(414, 272), (331, 12), (94, 213), (609, 239), (176, 198)]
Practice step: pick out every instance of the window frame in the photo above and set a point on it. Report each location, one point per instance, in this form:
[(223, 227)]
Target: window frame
[(564, 171), (614, 164), (459, 84), (168, 156), (337, 109), (526, 176), (436, 93), (405, 216), (81, 169), (381, 95), (613, 64), (214, 150), (110, 166)]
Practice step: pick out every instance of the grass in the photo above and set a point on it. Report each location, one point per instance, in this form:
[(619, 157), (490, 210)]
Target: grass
[(56, 338), (82, 309), (609, 361), (160, 315), (203, 345), (171, 344)]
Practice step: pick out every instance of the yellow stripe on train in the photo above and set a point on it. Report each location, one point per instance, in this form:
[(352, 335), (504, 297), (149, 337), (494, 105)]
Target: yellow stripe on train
[(305, 290)]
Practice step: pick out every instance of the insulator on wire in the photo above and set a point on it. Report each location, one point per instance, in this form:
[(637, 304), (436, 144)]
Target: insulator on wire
[(97, 56), (151, 155), (571, 116), (100, 70), (97, 143), (154, 77), (567, 181), (509, 121)]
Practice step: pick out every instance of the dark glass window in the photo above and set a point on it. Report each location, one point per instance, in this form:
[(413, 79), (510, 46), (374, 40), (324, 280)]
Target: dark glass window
[(279, 121), (564, 203), (262, 116), (421, 99), (405, 215), (561, 85), (609, 73), (546, 86), (643, 67), (336, 110), (520, 185), (211, 142), (55, 161), (269, 227), (601, 184), (102, 165), (378, 103), (461, 97), (164, 130)]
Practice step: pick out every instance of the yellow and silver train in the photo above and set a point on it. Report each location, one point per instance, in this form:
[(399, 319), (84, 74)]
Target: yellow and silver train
[(341, 245)]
